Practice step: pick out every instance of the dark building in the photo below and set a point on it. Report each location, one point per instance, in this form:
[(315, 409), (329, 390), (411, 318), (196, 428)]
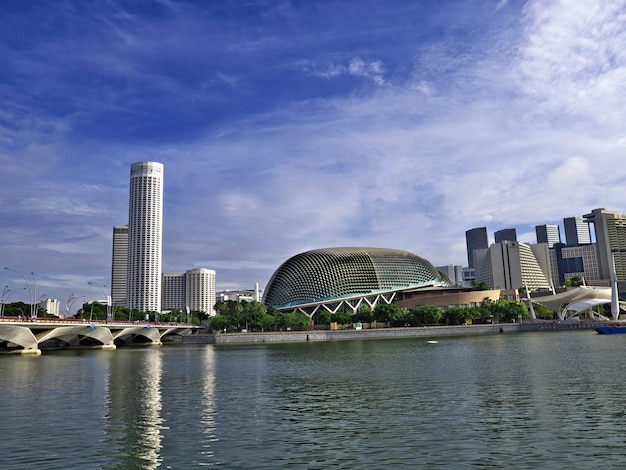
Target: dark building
[(506, 234), (549, 233), (577, 231), (475, 239)]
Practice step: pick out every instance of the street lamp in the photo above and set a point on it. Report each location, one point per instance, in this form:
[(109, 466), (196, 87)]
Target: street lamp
[(3, 301), (108, 297), (31, 293), (37, 305), (70, 303)]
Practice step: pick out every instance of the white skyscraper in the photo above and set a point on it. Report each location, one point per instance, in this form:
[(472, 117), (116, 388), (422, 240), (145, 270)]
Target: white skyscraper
[(200, 290), (145, 222)]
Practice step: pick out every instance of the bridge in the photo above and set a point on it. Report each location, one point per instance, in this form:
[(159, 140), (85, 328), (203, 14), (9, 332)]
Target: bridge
[(18, 336)]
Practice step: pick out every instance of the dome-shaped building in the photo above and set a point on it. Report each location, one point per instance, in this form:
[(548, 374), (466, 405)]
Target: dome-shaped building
[(350, 275)]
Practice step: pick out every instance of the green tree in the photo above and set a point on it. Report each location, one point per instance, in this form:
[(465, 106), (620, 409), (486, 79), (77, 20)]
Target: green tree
[(573, 281), (364, 314), (425, 315), (388, 313)]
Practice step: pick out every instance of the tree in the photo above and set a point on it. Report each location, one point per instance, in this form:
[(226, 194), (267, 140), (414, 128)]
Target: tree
[(342, 317), (364, 314), (388, 313), (573, 281), (425, 315), (219, 323)]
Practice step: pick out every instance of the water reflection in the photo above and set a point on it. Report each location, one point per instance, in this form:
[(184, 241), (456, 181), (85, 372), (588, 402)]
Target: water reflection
[(134, 403)]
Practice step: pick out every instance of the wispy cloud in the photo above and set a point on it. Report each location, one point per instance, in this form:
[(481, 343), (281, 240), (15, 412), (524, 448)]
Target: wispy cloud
[(288, 126)]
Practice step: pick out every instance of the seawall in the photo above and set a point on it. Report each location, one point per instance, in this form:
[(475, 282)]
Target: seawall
[(378, 333)]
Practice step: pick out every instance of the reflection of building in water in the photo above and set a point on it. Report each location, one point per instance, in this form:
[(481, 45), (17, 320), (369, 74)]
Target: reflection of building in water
[(134, 430)]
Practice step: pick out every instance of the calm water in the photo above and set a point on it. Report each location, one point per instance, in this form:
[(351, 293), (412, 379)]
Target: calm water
[(534, 400)]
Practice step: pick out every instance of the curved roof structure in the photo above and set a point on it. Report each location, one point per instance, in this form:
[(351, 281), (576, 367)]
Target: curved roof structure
[(576, 299), (330, 274)]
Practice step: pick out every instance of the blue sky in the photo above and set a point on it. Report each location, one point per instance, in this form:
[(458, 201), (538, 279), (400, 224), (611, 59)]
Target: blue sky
[(291, 125)]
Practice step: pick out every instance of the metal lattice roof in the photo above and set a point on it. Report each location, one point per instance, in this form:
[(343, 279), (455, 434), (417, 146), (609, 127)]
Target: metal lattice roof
[(336, 273)]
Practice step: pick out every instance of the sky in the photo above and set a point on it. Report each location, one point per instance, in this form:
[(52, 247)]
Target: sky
[(290, 125)]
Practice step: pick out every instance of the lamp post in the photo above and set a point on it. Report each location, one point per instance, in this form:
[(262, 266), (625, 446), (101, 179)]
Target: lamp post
[(9, 293), (41, 297), (31, 294), (70, 303), (108, 297)]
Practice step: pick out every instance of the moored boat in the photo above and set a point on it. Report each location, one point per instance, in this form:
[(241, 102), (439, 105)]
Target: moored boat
[(610, 329)]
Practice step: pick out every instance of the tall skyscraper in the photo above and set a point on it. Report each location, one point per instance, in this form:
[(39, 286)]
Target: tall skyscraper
[(145, 222), (119, 265), (577, 231), (610, 230), (549, 233), (506, 234), (475, 239)]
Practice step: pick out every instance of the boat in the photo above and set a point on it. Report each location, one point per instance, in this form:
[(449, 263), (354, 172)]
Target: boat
[(610, 329)]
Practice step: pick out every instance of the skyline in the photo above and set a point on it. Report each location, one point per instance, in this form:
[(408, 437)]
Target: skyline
[(286, 126)]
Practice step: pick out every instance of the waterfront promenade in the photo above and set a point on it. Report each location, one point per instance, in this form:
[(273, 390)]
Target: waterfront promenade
[(381, 333)]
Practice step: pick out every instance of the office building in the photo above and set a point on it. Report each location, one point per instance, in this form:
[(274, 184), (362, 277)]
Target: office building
[(200, 290), (574, 261), (577, 231), (194, 289), (549, 233), (514, 265), (173, 294), (452, 272), (119, 265), (475, 239), (145, 223), (506, 234), (610, 233)]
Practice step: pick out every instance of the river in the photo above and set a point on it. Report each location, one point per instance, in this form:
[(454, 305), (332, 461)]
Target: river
[(524, 400)]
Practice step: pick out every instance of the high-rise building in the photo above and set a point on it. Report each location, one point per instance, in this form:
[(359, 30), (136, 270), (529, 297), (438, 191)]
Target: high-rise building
[(549, 233), (577, 231), (119, 265), (200, 290), (194, 289), (173, 291), (610, 231), (145, 222), (513, 265), (475, 239), (506, 234)]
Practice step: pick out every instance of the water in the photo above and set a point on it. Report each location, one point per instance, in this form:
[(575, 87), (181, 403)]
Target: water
[(533, 400)]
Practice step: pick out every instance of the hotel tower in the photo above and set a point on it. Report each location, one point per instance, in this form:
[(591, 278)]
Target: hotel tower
[(145, 221)]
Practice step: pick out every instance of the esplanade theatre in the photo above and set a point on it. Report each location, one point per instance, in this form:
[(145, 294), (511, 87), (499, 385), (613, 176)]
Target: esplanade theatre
[(332, 278)]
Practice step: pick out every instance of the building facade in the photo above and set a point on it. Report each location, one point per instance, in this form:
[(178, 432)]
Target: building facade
[(194, 289), (475, 239), (577, 231), (548, 233), (514, 265), (145, 222), (506, 234), (610, 233), (119, 265), (200, 290), (173, 291)]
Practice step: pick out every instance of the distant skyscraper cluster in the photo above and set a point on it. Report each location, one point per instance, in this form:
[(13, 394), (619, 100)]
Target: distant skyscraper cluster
[(137, 280), (509, 263)]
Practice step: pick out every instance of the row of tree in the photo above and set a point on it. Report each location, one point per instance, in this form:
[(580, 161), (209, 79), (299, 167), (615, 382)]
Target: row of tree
[(487, 311), (237, 316)]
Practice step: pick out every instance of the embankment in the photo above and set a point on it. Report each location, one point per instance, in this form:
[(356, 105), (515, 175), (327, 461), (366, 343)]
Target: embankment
[(379, 333)]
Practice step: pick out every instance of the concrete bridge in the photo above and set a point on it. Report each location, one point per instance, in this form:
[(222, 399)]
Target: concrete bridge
[(31, 337)]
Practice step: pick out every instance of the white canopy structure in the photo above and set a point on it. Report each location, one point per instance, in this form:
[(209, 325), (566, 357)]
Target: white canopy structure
[(576, 300)]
